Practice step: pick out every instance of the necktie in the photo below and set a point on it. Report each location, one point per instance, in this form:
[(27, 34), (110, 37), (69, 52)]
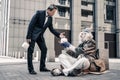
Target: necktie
[(46, 19)]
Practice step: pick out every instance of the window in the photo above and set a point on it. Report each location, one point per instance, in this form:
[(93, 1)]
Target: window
[(62, 2), (84, 3), (111, 0), (69, 2), (61, 12), (86, 12), (110, 12)]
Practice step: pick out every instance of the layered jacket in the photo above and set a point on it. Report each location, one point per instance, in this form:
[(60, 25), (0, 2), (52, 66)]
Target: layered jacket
[(87, 48)]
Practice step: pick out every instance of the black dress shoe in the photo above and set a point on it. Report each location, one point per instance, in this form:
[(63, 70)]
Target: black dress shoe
[(44, 70), (32, 72)]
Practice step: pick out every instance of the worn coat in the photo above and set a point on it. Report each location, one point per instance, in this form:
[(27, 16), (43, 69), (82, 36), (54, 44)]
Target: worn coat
[(88, 49)]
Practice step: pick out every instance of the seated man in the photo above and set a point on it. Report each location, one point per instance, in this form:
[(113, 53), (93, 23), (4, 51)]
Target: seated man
[(78, 59)]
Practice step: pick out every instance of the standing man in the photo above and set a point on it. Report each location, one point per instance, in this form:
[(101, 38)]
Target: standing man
[(38, 24)]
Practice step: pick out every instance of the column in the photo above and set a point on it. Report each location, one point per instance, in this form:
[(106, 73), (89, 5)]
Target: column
[(118, 27), (0, 31), (99, 34), (4, 27), (76, 21), (49, 38)]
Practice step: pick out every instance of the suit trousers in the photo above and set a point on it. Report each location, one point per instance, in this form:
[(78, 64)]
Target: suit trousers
[(42, 46)]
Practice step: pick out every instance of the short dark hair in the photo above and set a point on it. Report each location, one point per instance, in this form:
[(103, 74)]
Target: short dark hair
[(51, 7)]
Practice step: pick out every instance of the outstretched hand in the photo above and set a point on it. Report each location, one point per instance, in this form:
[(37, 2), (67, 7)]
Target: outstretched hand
[(62, 35)]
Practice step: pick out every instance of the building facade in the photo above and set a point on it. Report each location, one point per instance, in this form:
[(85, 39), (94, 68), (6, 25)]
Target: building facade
[(103, 16), (0, 29), (20, 13), (4, 26)]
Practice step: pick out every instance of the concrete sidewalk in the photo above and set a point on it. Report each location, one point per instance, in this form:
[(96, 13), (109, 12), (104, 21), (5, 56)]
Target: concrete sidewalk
[(5, 59), (17, 70)]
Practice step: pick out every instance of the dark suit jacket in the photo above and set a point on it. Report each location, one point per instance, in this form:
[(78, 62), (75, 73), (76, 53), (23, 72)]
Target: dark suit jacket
[(37, 27)]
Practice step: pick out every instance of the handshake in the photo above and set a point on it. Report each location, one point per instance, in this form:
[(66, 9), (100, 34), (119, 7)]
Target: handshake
[(64, 42)]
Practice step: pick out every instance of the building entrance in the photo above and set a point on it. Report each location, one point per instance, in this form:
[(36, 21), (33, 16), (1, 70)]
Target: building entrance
[(110, 44)]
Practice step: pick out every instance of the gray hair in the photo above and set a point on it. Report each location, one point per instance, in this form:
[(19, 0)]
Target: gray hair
[(85, 36)]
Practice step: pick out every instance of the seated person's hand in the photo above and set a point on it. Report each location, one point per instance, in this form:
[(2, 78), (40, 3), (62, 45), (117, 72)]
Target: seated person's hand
[(64, 42)]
